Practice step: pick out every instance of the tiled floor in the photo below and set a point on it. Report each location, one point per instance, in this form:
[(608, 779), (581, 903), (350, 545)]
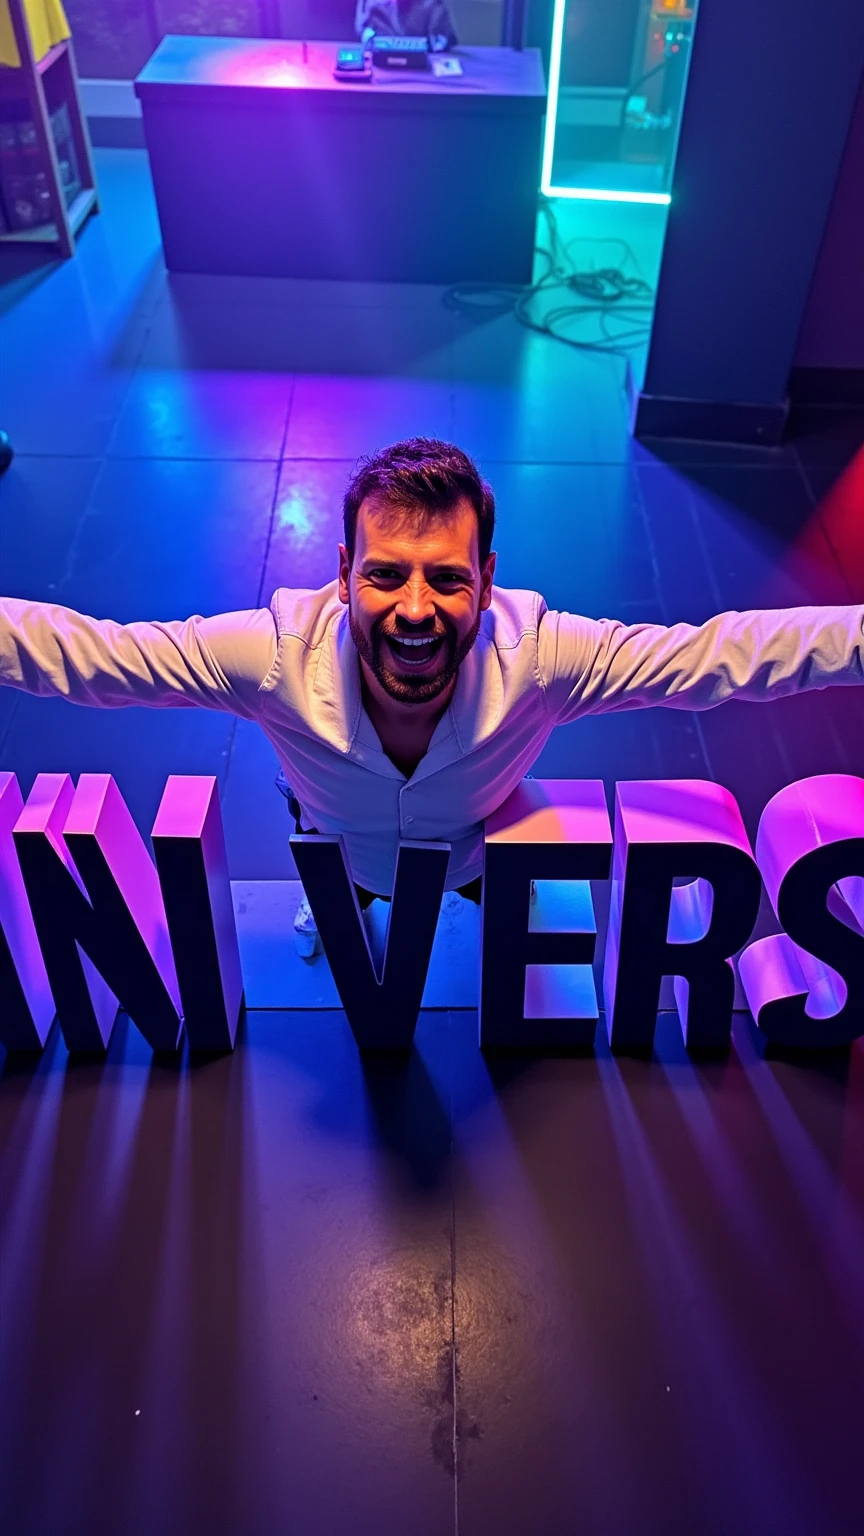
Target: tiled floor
[(293, 1291)]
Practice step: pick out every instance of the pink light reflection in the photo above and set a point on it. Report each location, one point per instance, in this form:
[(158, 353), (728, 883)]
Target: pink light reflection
[(259, 64)]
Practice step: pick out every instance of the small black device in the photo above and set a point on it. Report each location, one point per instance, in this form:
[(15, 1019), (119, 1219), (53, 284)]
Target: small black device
[(353, 64), (400, 52)]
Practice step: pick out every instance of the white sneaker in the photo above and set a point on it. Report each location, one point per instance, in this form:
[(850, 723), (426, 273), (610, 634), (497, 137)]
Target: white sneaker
[(307, 941)]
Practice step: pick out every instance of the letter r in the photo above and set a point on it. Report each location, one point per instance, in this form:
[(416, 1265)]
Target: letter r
[(667, 829)]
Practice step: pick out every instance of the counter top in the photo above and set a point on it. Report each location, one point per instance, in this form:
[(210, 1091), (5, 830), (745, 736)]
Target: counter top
[(247, 66)]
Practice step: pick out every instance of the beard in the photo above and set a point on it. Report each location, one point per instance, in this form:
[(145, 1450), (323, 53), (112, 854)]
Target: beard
[(400, 686)]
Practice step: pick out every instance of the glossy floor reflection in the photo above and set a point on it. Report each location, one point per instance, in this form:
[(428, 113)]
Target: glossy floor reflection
[(291, 1290)]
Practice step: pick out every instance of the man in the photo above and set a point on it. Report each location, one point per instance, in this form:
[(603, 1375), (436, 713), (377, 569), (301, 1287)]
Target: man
[(408, 698)]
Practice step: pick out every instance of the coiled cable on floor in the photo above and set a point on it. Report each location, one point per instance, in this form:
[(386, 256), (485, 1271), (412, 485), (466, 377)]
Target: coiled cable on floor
[(614, 295)]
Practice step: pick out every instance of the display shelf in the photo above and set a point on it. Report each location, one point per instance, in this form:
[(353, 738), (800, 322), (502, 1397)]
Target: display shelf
[(13, 78), (27, 82), (46, 234)]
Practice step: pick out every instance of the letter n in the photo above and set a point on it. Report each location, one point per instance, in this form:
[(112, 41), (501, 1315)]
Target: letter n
[(96, 903), (805, 986), (26, 1004), (189, 845), (667, 829)]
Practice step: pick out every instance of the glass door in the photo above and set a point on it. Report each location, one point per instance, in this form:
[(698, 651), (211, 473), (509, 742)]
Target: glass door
[(617, 73)]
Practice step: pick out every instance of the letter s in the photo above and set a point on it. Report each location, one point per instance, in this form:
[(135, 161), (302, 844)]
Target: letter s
[(805, 986)]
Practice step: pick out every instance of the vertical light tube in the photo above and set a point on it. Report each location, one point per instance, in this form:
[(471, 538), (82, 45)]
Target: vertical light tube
[(552, 96)]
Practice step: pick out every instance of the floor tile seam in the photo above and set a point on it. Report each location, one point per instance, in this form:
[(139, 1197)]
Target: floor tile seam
[(147, 321), (587, 462), (4, 733), (80, 458), (805, 478), (76, 458), (88, 511), (304, 458), (701, 462), (132, 373), (348, 458), (814, 499), (664, 608), (653, 552), (191, 458), (147, 305), (777, 735), (706, 755), (713, 584), (268, 542), (229, 758), (159, 284), (491, 461), (289, 406)]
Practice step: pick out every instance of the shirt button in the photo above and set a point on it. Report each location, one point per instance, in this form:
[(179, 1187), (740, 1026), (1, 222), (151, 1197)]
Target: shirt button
[(409, 818)]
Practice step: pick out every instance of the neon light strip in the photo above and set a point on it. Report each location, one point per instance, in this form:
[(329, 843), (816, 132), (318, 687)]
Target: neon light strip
[(552, 96), (600, 195), (587, 194)]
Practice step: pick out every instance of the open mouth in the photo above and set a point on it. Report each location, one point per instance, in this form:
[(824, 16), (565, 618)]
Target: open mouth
[(414, 653)]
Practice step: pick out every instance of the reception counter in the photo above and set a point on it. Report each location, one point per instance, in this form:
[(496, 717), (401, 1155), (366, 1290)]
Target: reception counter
[(264, 164)]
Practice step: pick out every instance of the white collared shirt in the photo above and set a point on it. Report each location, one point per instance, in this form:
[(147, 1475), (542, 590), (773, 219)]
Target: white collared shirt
[(293, 667)]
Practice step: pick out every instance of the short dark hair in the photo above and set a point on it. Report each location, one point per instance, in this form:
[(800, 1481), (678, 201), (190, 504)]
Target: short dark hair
[(425, 475)]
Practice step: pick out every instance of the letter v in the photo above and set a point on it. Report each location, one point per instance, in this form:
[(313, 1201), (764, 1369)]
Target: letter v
[(382, 1011)]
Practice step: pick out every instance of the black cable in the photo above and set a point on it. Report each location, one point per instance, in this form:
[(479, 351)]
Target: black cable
[(606, 291), (633, 88)]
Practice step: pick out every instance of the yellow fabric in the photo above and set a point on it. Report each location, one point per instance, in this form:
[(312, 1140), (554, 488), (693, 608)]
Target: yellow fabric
[(48, 25)]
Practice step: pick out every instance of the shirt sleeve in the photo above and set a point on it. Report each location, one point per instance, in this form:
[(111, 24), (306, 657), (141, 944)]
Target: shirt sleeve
[(592, 666), (215, 663)]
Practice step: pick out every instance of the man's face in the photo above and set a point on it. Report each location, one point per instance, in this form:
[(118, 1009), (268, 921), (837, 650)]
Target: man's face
[(415, 592)]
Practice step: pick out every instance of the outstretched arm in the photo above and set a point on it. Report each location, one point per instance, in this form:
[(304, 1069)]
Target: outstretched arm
[(591, 666), (217, 663)]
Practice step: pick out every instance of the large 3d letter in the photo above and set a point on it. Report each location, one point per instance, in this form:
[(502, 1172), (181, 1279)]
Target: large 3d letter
[(95, 898), (381, 1009), (666, 829), (193, 871), (26, 1004), (806, 986), (536, 982)]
